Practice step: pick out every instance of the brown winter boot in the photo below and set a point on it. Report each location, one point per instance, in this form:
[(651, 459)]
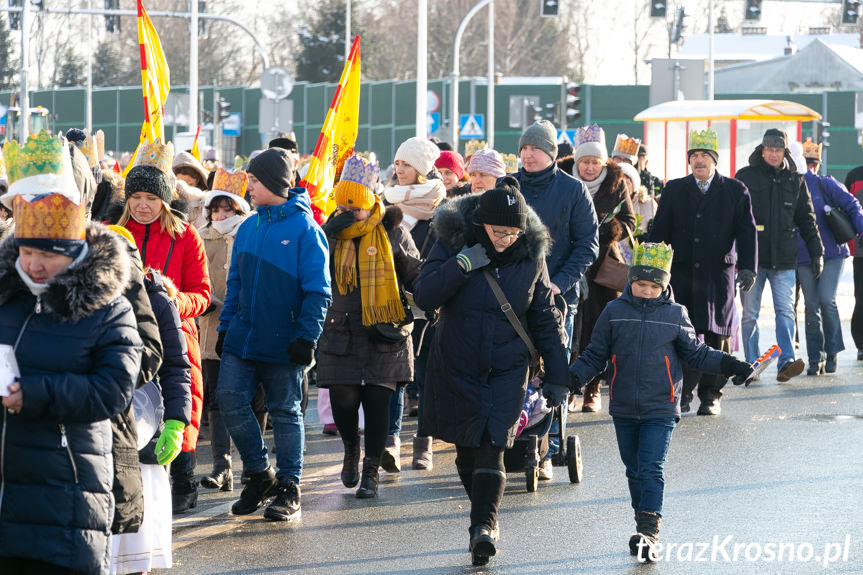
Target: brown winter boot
[(422, 453), (641, 544), (592, 398), (391, 457), (369, 484)]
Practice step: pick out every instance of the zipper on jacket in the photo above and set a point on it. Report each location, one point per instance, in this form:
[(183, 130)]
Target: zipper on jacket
[(64, 443), (670, 381), (144, 245), (638, 363), (613, 377)]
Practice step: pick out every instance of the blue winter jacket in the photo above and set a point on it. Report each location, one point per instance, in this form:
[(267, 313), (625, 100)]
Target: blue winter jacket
[(833, 193), (565, 207), (646, 342), (279, 282)]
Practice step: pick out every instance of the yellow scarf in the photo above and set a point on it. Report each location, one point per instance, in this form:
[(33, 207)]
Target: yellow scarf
[(379, 288)]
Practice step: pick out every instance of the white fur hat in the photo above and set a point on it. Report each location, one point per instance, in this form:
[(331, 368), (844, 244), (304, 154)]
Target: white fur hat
[(420, 153), (630, 172)]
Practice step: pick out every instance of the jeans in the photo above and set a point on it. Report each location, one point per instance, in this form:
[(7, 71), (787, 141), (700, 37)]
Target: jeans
[(643, 444), (553, 444), (397, 408), (823, 329), (782, 284), (283, 386)]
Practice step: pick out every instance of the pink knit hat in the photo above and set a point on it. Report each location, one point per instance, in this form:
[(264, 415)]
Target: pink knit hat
[(487, 161)]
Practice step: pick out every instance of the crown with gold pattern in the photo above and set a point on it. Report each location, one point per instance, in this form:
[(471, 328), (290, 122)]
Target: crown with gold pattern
[(49, 217), (235, 183), (703, 140), (471, 147), (626, 147), (41, 166), (2, 164), (510, 162), (157, 155), (811, 150), (90, 147), (653, 255)]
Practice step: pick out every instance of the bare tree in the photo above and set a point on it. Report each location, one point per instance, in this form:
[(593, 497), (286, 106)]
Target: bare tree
[(642, 25)]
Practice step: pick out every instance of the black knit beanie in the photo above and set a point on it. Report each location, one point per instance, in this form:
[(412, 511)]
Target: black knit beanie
[(774, 138), (503, 205), (272, 168), (284, 143), (152, 180)]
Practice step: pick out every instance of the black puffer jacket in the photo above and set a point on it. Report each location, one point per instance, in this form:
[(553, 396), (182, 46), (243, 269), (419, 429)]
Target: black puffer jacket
[(79, 354), (782, 206), (478, 365)]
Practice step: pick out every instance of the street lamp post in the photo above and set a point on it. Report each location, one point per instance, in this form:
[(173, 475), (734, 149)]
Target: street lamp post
[(455, 69), (24, 116), (422, 70)]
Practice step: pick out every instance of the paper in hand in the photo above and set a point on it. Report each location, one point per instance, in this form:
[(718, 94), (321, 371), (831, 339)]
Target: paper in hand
[(8, 368)]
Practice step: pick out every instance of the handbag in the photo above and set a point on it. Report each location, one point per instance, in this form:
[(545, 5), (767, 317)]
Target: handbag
[(613, 274), (535, 368), (396, 331), (837, 220)]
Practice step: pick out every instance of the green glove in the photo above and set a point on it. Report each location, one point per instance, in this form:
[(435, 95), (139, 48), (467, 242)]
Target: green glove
[(170, 442)]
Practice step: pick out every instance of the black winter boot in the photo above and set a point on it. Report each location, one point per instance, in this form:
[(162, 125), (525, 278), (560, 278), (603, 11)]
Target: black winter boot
[(351, 463), (221, 479), (260, 486), (286, 503), (641, 544), (486, 494), (184, 490), (466, 476), (369, 484)]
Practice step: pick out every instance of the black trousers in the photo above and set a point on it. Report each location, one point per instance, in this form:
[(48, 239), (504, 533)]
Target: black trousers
[(375, 399), (709, 385), (857, 316)]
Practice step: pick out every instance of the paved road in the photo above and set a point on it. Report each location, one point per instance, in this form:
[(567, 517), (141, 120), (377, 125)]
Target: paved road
[(782, 465)]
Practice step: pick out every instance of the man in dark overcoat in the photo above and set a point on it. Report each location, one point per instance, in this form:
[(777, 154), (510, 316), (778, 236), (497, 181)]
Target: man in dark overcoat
[(707, 218)]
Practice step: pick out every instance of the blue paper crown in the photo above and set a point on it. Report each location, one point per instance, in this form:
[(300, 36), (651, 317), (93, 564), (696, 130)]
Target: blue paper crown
[(361, 171), (592, 133)]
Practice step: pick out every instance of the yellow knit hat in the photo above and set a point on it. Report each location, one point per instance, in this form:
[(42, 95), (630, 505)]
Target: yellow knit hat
[(356, 183)]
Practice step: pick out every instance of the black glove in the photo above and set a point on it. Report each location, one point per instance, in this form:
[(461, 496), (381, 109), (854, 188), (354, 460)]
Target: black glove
[(745, 279), (730, 365), (817, 267), (555, 394), (209, 309), (472, 258), (337, 222), (220, 343), (574, 383), (301, 351)]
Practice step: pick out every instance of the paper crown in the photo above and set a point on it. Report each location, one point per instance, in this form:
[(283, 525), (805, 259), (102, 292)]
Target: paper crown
[(626, 146), (157, 155), (592, 133), (652, 255), (41, 166), (225, 181), (811, 150), (703, 140), (474, 146), (2, 164), (93, 147), (510, 163), (49, 217), (361, 171)]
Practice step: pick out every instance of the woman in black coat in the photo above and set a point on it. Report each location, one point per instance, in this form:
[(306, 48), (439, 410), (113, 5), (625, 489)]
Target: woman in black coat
[(478, 367)]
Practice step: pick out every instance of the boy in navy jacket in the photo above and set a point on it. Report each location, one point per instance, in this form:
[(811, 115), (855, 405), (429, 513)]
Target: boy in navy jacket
[(644, 337)]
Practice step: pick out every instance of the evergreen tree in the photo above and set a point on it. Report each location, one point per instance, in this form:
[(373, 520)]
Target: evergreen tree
[(8, 65), (108, 66), (71, 72), (322, 44)]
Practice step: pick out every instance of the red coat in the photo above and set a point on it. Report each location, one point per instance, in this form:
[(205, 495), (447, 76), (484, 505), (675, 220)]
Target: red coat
[(187, 268)]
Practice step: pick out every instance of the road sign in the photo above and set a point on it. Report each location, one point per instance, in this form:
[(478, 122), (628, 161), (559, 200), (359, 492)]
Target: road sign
[(566, 136), (433, 121), (276, 83), (232, 125), (471, 126), (433, 101)]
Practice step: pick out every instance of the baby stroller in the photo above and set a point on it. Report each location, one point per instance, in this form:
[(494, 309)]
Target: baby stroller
[(531, 447)]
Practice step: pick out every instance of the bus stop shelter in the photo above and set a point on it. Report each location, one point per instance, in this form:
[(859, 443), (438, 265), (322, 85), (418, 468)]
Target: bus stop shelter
[(739, 127)]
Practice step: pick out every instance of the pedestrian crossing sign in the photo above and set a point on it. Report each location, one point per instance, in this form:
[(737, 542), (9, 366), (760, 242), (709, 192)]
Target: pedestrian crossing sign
[(471, 126), (566, 136)]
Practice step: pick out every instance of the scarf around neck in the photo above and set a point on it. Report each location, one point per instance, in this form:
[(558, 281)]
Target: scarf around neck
[(228, 226), (417, 201), (372, 267), (593, 186)]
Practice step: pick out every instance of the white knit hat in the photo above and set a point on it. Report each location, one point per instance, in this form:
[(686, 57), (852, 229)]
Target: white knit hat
[(630, 172), (420, 153)]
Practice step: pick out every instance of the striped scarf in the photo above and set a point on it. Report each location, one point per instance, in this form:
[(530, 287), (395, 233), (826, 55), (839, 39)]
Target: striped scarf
[(373, 267)]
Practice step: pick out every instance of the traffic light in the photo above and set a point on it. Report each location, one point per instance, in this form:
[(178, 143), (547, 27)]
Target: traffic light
[(850, 11), (822, 133), (573, 102), (679, 25), (202, 22), (549, 8), (224, 109), (112, 23), (14, 17), (753, 10), (658, 9)]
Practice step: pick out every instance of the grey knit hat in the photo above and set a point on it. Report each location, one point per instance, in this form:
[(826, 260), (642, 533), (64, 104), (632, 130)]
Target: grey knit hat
[(774, 138), (541, 135)]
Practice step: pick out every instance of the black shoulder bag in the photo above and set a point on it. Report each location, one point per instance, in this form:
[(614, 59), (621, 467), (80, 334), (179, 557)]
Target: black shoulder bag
[(837, 220), (506, 308)]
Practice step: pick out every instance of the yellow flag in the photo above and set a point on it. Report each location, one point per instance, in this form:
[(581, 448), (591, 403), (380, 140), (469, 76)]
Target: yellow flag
[(196, 151), (155, 76)]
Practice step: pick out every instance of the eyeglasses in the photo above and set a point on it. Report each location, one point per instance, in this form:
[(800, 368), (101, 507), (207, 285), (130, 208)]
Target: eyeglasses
[(502, 235)]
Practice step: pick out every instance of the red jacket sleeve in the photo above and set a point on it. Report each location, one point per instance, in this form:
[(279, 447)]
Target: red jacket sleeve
[(194, 295)]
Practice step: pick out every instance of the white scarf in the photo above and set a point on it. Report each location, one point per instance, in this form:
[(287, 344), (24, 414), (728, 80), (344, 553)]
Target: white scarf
[(36, 288), (592, 186), (228, 226), (417, 201)]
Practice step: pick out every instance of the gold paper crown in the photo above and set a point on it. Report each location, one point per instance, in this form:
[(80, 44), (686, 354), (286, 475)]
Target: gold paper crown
[(156, 154), (235, 183), (510, 163), (652, 255), (703, 140), (90, 149), (626, 146), (50, 217), (474, 146), (41, 154), (811, 150), (2, 164)]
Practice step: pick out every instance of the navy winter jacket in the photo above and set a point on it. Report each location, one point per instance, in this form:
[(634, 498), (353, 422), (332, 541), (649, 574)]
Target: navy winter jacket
[(279, 282), (565, 207), (826, 190), (646, 342)]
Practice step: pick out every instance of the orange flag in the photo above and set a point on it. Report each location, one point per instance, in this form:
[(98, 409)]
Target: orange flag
[(195, 151), (337, 138)]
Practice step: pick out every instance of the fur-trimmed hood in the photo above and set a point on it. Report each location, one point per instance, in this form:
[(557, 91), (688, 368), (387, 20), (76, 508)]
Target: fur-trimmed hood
[(78, 292), (454, 218)]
